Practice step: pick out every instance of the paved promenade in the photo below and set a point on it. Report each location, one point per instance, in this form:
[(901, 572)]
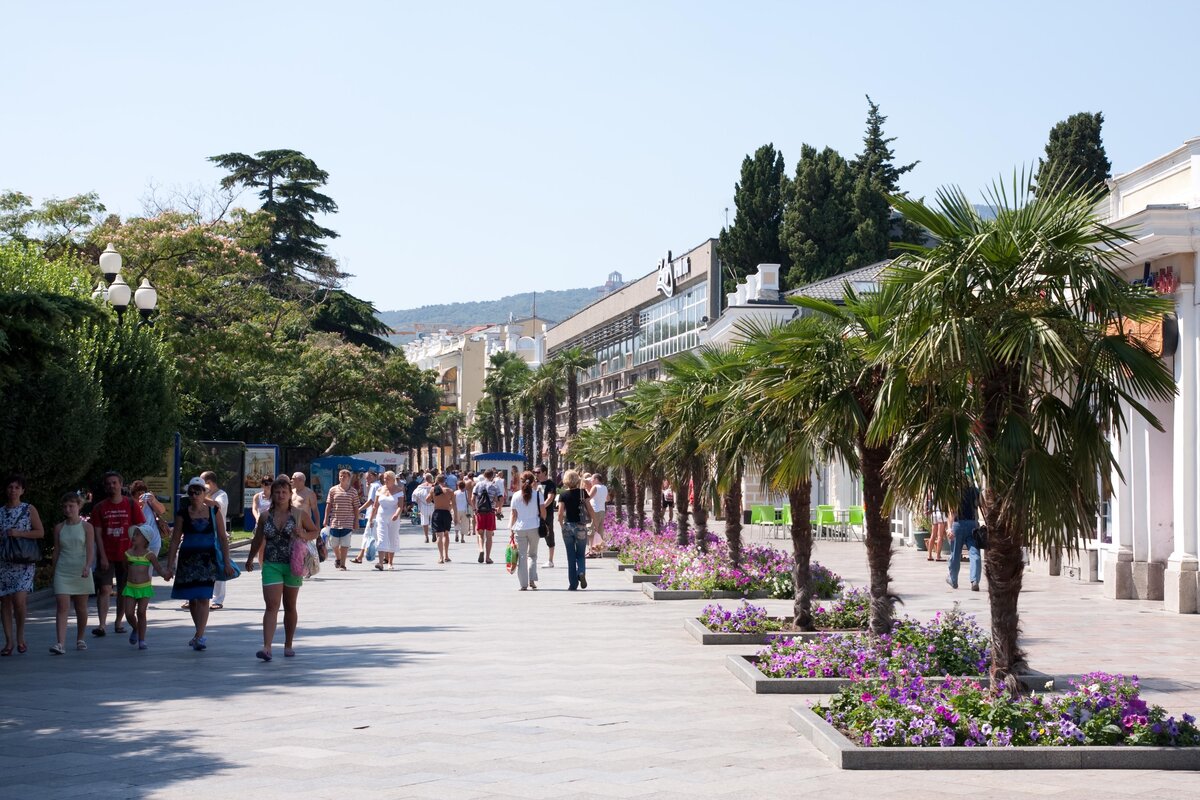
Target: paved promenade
[(446, 682)]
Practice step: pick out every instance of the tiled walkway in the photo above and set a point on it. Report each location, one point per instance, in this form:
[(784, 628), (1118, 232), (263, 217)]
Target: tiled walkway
[(446, 682)]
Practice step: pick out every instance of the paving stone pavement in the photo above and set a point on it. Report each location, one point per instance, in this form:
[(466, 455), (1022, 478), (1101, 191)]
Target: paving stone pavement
[(446, 682)]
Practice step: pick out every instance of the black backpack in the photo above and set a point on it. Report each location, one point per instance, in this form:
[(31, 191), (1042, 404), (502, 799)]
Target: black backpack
[(483, 500)]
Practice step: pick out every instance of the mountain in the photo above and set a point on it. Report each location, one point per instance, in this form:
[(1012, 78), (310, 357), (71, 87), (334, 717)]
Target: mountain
[(551, 305)]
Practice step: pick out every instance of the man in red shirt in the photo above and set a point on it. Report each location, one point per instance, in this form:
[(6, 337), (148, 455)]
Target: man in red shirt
[(111, 519)]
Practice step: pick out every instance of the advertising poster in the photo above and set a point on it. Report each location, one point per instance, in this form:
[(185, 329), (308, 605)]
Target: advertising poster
[(165, 485), (260, 460)]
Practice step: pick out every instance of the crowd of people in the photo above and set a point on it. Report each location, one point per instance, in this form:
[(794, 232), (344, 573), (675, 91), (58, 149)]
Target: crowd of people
[(113, 548)]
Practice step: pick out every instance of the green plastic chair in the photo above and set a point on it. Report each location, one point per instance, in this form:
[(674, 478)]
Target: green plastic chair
[(762, 515), (858, 521), (826, 520)]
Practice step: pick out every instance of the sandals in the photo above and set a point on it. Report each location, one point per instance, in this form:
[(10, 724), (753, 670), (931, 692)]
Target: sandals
[(22, 648), (215, 606), (80, 644), (356, 560), (289, 652), (57, 650), (120, 629), (99, 632), (7, 651), (264, 655)]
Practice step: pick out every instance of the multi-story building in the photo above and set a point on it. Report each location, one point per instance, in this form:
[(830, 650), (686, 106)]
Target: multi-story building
[(631, 330)]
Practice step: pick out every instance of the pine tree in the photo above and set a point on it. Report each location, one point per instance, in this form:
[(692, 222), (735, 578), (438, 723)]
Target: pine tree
[(818, 230), (753, 238), (1075, 156), (876, 177), (288, 181)]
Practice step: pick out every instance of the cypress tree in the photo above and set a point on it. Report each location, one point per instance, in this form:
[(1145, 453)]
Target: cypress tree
[(753, 238), (819, 225), (1075, 156)]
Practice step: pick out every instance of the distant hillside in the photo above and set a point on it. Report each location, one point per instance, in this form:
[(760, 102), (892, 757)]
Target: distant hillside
[(551, 305)]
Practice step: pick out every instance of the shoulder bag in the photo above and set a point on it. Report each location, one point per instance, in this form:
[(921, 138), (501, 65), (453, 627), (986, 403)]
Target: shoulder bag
[(18, 549), (221, 576)]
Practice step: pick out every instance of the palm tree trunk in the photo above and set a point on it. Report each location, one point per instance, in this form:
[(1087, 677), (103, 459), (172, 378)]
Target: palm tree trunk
[(878, 535), (552, 433), (1005, 572), (454, 440), (643, 482), (527, 438), (733, 516), (700, 504), (631, 488), (800, 501), (616, 493), (572, 403), (539, 430), (681, 511), (656, 501)]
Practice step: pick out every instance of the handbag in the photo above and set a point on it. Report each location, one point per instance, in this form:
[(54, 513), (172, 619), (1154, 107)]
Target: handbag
[(19, 550), (323, 545), (981, 537), (312, 564), (511, 554), (221, 576)]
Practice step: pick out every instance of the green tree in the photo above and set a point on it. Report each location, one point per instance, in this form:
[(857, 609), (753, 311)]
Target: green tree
[(753, 238), (818, 230), (289, 184), (1016, 321), (1075, 157), (58, 225), (876, 177), (338, 311), (571, 362)]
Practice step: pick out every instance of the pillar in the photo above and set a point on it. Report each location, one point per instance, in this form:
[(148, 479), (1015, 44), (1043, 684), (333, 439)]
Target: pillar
[(1181, 580), (1118, 566)]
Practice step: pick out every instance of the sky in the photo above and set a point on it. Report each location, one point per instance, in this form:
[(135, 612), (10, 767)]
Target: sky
[(477, 149)]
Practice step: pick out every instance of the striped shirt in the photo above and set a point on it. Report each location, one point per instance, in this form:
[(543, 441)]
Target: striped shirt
[(343, 507)]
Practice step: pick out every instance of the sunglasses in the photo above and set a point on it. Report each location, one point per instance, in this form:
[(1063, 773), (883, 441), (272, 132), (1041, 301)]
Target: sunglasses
[(195, 490)]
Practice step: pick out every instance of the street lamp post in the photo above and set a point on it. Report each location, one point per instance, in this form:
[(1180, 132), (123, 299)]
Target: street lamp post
[(118, 293)]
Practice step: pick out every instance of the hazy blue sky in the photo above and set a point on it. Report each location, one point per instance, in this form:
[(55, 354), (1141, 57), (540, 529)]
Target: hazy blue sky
[(477, 149)]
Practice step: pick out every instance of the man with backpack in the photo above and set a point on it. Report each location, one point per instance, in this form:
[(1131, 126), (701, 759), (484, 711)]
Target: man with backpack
[(486, 498)]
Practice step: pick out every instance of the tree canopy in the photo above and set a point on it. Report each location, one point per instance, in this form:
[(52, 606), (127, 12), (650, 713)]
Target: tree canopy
[(1075, 157), (753, 238)]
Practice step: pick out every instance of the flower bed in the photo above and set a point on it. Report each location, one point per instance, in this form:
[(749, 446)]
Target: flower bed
[(851, 612), (950, 644), (764, 571), (1098, 710)]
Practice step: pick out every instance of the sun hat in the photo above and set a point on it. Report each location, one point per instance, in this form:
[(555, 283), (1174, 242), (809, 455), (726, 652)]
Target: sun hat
[(197, 481)]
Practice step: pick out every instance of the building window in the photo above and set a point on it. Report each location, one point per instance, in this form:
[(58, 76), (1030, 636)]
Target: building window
[(671, 326)]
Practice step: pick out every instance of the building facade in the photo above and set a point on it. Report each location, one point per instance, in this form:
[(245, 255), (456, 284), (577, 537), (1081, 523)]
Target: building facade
[(1147, 540), (631, 330)]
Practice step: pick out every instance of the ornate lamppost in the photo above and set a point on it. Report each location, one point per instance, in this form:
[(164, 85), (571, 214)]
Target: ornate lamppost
[(117, 293)]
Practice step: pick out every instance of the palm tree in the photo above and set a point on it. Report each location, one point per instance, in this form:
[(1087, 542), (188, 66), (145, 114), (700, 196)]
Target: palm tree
[(543, 389), (640, 444), (849, 372), (1018, 319), (507, 373), (778, 392), (570, 362), (682, 405)]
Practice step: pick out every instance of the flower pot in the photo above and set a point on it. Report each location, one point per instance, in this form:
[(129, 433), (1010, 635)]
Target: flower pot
[(920, 537)]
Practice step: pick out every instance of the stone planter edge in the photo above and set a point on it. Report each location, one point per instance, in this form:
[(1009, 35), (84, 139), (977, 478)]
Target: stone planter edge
[(704, 636), (745, 669), (845, 754)]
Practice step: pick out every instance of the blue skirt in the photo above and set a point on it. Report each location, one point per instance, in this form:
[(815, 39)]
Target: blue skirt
[(197, 569)]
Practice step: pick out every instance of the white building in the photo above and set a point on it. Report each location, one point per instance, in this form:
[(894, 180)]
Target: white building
[(1148, 541)]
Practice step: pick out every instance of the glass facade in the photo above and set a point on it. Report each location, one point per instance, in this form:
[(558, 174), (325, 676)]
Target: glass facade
[(671, 326)]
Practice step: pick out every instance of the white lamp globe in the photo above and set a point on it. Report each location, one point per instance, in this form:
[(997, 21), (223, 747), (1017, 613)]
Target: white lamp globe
[(146, 296), (110, 263), (119, 293)]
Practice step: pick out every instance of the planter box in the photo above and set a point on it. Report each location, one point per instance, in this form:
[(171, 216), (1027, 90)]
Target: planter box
[(745, 668), (622, 566), (643, 577), (655, 593), (845, 754), (702, 634)]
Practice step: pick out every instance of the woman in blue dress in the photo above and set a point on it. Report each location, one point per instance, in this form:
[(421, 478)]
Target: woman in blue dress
[(194, 542)]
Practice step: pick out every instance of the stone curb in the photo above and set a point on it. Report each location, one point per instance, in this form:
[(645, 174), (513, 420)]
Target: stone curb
[(845, 754), (703, 635), (655, 593), (623, 567), (643, 577), (745, 669)]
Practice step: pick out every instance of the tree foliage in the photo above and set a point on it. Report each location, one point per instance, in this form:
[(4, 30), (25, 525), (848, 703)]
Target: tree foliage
[(753, 238), (818, 229), (1075, 158)]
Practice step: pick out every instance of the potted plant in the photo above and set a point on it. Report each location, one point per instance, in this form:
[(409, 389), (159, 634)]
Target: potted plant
[(920, 524)]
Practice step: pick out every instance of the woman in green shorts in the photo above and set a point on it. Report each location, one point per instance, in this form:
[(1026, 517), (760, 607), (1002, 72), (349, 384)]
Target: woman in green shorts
[(275, 532)]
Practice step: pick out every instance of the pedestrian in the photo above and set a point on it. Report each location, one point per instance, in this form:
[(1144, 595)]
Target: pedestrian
[(74, 554), (275, 534), (549, 495), (442, 501), (218, 496), (468, 487), (486, 497), (200, 553), (371, 531), (937, 530), (341, 516), (963, 522), (153, 513), (262, 499), (598, 496), (574, 511), (526, 510), (111, 520), (303, 497), (460, 511), (140, 588), (452, 479), (18, 520), (410, 486), (668, 498), (421, 497), (385, 513)]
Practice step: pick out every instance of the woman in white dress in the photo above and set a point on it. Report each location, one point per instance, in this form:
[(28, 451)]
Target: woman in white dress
[(385, 515)]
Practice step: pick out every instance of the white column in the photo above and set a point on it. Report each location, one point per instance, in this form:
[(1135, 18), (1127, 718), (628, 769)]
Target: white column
[(1180, 582), (1118, 566)]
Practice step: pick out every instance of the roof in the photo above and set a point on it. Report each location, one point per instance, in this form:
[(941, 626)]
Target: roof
[(833, 288)]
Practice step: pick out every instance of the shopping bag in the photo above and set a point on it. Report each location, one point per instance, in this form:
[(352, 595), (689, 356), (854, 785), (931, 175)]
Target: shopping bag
[(371, 550), (511, 554)]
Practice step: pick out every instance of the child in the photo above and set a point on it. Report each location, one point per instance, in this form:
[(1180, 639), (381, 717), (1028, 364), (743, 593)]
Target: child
[(74, 552), (138, 589)]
